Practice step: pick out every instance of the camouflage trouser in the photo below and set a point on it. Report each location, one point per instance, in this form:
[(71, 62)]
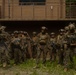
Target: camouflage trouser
[(34, 51), (42, 48), (17, 55), (68, 57), (60, 55), (12, 52), (23, 53), (0, 55), (49, 50), (75, 51), (4, 55), (53, 54)]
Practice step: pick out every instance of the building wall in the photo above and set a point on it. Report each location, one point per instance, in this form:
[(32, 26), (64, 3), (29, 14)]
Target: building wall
[(51, 11), (0, 8)]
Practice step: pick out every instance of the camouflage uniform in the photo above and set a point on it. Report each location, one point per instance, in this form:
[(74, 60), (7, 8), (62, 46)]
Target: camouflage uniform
[(34, 44), (69, 46), (60, 46), (24, 46), (43, 39), (75, 47), (4, 51), (53, 47), (17, 48), (12, 47), (28, 48)]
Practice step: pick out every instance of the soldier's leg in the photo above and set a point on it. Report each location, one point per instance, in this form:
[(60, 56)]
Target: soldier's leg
[(0, 56), (16, 56), (33, 51), (7, 56), (44, 54), (22, 55), (66, 57), (71, 55), (50, 55), (4, 59), (75, 51), (60, 57), (58, 53), (54, 56), (19, 56), (12, 53), (38, 55), (25, 55)]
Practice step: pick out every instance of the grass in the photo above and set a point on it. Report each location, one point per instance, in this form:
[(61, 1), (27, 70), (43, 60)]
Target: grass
[(27, 69)]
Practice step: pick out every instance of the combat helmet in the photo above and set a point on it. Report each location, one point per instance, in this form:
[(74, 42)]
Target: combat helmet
[(61, 30), (66, 28), (25, 33), (52, 33), (43, 28), (34, 33), (12, 34), (2, 27), (21, 32), (71, 26), (16, 32)]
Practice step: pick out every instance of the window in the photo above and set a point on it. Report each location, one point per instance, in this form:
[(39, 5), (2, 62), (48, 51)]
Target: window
[(39, 2), (31, 2), (71, 9), (25, 2)]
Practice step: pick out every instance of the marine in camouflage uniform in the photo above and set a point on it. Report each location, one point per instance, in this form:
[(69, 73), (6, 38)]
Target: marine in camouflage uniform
[(24, 46), (53, 47), (60, 46), (21, 37), (28, 50), (17, 48), (69, 47), (34, 44), (4, 51), (43, 39), (12, 47)]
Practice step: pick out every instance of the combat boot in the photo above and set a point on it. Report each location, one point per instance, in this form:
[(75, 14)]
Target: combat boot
[(4, 64)]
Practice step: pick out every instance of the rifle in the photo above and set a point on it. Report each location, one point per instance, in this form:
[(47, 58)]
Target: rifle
[(53, 45)]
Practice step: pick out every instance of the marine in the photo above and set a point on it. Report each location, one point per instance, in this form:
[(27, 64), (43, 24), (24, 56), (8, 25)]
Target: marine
[(4, 51), (69, 47), (24, 46), (53, 47), (43, 39), (60, 46), (17, 48), (34, 45)]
